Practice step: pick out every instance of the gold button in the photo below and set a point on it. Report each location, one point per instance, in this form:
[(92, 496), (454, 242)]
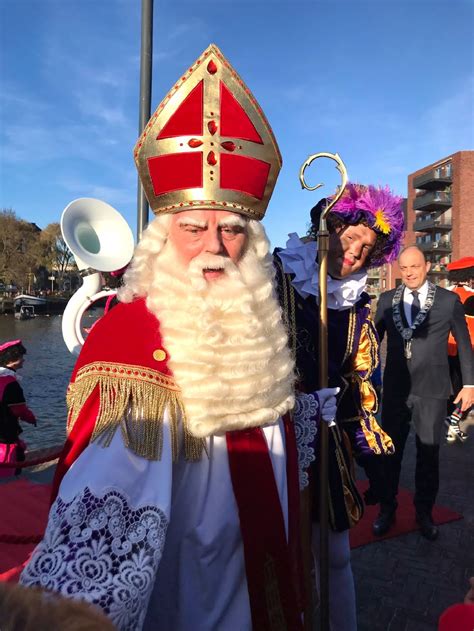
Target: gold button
[(159, 355)]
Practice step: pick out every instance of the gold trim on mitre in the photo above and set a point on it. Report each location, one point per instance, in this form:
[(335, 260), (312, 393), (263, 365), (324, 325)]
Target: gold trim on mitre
[(208, 145)]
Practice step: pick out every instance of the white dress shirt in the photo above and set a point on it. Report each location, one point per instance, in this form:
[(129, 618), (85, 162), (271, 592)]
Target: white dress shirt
[(408, 299)]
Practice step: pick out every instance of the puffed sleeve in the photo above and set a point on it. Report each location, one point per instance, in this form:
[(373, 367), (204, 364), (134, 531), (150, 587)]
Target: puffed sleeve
[(106, 531), (367, 437)]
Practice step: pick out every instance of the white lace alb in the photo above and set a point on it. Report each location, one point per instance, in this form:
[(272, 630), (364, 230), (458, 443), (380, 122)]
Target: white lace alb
[(305, 417), (101, 550)]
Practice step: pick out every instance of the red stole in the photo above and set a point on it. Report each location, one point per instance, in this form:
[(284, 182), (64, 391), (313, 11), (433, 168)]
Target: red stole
[(272, 563)]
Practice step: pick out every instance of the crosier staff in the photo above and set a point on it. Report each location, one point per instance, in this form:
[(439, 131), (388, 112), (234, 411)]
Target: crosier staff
[(323, 248)]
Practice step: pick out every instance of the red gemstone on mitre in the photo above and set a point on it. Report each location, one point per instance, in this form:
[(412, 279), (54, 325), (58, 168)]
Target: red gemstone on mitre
[(194, 142), (212, 127), (211, 158), (211, 67), (228, 145)]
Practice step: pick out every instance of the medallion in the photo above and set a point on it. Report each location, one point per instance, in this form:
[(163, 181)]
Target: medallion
[(407, 332)]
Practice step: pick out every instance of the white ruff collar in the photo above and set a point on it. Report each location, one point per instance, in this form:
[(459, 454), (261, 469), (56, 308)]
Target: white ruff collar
[(7, 372), (300, 259)]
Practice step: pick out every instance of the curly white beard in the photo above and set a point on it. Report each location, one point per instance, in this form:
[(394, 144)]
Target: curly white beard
[(226, 340)]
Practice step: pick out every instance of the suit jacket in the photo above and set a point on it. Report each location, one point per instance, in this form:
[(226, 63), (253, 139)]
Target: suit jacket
[(426, 374)]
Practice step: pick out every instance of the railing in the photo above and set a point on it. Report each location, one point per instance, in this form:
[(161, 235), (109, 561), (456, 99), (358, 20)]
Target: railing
[(422, 224), (433, 200), (433, 178), (430, 245), (438, 269)]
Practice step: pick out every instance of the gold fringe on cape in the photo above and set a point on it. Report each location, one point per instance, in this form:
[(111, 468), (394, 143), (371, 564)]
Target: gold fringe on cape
[(134, 398)]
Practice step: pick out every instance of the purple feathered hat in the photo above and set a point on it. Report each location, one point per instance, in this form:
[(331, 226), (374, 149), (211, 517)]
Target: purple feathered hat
[(380, 209)]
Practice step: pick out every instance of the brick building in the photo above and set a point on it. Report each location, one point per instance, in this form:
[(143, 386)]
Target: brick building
[(440, 211), (439, 217)]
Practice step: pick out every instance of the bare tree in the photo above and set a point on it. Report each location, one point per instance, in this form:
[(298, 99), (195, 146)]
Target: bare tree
[(55, 253)]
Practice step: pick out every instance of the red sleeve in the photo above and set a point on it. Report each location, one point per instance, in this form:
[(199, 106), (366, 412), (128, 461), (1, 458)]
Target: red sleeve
[(22, 412)]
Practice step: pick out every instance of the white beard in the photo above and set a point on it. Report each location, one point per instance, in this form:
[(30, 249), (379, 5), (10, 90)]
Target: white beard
[(226, 340)]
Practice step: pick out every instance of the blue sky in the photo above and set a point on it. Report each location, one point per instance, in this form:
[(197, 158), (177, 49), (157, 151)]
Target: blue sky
[(386, 83)]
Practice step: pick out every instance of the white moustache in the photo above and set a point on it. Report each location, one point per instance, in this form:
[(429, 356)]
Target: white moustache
[(210, 262)]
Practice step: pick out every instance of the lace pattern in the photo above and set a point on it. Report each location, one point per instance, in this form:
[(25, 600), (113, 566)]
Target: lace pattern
[(305, 417), (101, 550)]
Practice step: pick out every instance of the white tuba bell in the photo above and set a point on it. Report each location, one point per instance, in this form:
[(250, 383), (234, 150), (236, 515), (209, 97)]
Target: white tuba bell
[(101, 241)]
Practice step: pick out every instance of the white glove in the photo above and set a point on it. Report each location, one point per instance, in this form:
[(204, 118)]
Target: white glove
[(328, 404)]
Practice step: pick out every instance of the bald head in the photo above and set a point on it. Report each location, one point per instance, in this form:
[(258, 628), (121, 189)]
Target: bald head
[(413, 267)]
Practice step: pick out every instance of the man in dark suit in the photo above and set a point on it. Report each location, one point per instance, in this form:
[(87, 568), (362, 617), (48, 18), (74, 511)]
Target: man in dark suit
[(417, 318)]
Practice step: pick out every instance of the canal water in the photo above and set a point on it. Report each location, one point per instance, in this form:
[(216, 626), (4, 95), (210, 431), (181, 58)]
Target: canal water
[(45, 375)]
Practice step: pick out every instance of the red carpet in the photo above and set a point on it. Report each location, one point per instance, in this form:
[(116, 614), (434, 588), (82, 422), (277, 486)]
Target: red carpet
[(25, 505), (405, 522), (24, 512)]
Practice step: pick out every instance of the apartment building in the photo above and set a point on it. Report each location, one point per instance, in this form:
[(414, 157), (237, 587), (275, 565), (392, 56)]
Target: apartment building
[(440, 212)]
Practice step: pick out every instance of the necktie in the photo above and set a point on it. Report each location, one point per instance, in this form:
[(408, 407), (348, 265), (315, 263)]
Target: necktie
[(415, 306)]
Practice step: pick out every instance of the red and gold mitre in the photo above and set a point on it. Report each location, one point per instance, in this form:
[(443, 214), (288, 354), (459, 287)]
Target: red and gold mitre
[(208, 145)]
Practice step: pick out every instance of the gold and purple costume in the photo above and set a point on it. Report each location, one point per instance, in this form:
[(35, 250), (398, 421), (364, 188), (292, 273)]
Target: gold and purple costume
[(353, 358)]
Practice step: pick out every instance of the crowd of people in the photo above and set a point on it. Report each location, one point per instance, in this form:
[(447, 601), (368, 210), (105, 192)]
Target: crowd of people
[(195, 404)]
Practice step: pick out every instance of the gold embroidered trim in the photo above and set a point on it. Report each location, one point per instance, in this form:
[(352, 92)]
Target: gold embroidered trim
[(135, 399), (138, 373), (350, 333), (288, 311)]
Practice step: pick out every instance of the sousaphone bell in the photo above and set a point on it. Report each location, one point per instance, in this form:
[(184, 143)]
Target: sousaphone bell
[(101, 241)]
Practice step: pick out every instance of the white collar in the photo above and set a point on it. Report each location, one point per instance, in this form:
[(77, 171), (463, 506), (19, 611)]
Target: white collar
[(422, 291), (8, 372), (299, 258)]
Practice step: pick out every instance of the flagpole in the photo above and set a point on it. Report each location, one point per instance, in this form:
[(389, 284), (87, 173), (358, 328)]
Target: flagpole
[(323, 248), (146, 64)]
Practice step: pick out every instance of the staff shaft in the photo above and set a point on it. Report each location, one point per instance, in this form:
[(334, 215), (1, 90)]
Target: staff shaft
[(323, 246)]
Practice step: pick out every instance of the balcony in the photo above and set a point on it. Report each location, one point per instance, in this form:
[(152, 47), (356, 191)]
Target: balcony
[(374, 273), (438, 270), (441, 246), (435, 179), (424, 224), (435, 200)]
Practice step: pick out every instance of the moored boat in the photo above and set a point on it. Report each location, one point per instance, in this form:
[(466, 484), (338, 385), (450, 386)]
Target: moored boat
[(29, 301), (42, 305)]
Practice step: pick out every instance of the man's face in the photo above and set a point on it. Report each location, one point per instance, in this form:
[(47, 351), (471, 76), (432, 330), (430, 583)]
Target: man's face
[(413, 268), (215, 232), (16, 364), (349, 247)]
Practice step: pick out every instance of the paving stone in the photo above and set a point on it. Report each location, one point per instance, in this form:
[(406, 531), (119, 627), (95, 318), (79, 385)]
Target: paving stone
[(405, 583)]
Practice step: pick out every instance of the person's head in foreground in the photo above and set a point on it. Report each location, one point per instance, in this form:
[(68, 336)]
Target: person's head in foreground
[(12, 354), (461, 272), (203, 263), (32, 609), (365, 229)]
